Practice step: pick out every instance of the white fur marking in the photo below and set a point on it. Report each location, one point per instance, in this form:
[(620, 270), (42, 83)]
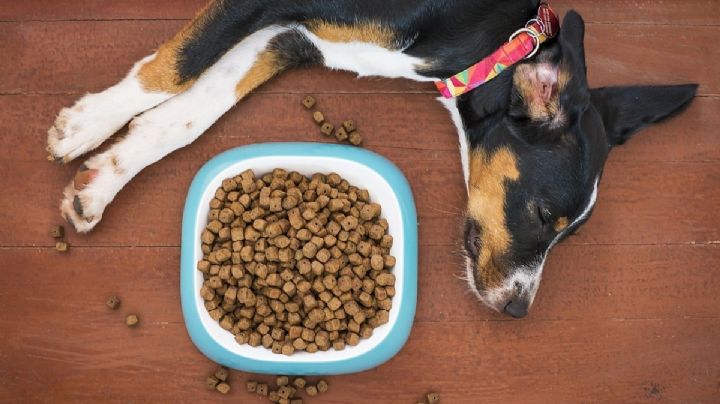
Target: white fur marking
[(451, 105), (95, 117), (163, 129), (367, 59)]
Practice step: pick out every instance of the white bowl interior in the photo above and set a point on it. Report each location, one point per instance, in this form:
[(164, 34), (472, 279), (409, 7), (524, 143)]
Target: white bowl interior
[(357, 174)]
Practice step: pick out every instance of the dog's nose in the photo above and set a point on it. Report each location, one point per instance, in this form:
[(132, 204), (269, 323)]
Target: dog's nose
[(517, 308)]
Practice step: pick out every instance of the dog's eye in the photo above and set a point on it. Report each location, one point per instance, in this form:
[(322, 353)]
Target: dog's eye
[(544, 215)]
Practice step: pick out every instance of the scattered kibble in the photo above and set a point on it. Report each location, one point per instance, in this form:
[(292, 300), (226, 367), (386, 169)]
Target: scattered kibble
[(322, 386), (318, 117), (223, 388), (222, 373), (132, 320), (432, 398), (308, 102), (57, 232), (113, 302), (212, 382), (62, 246)]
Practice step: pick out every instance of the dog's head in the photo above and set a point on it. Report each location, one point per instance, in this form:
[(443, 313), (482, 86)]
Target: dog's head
[(534, 167)]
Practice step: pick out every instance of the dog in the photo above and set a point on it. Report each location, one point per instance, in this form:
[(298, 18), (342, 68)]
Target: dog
[(533, 140)]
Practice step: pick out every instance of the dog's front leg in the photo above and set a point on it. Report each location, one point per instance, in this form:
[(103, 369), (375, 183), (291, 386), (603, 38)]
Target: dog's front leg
[(171, 125)]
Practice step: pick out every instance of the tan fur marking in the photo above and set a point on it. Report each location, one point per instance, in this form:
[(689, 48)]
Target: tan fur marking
[(160, 73), (264, 68), (525, 80), (486, 204), (369, 32), (560, 224)]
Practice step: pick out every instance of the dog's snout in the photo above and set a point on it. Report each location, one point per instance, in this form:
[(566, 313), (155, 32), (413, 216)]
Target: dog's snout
[(517, 308)]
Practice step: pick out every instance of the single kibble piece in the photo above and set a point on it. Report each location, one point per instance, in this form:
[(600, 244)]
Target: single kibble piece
[(327, 128), (212, 382), (341, 135), (262, 389), (318, 117), (282, 381), (299, 383), (57, 231), (349, 125), (113, 302), (62, 246), (308, 102), (222, 373), (132, 320), (223, 388), (311, 390), (355, 138), (322, 386), (252, 386), (433, 398)]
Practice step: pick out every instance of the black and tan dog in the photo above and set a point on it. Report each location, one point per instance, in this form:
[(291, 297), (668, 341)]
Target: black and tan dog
[(533, 141)]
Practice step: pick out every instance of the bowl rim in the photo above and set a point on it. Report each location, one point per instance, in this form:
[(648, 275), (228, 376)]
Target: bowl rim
[(400, 331)]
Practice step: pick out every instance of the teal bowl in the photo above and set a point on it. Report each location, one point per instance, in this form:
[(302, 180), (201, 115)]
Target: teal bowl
[(360, 167)]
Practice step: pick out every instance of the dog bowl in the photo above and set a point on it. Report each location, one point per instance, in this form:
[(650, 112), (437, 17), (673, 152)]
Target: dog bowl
[(387, 186)]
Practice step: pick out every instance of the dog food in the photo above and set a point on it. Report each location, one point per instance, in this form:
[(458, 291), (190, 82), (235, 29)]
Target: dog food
[(132, 320), (287, 390), (57, 232), (308, 102), (223, 388), (62, 246), (113, 302), (347, 131), (212, 382), (432, 398), (292, 263), (322, 386)]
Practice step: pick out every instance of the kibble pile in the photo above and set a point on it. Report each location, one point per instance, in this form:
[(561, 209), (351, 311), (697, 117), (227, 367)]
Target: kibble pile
[(293, 263)]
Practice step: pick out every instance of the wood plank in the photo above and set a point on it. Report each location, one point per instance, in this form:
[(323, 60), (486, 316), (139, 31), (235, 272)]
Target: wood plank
[(632, 208), (92, 55), (687, 12), (75, 349), (603, 282)]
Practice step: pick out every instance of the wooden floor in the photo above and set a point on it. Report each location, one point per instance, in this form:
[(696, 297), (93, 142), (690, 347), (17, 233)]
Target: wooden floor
[(629, 310)]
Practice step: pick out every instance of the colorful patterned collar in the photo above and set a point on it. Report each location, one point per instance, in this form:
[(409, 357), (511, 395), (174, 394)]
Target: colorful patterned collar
[(524, 43)]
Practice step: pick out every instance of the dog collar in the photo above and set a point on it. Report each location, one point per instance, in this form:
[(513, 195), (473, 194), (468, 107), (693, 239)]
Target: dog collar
[(524, 43)]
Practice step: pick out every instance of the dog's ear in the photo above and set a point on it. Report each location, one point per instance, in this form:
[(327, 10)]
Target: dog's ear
[(626, 110), (572, 43)]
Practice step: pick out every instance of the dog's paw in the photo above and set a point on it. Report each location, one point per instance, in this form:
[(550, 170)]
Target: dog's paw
[(83, 203), (78, 130)]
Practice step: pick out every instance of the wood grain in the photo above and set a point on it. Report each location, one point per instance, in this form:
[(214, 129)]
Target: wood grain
[(628, 310), (91, 55), (694, 12)]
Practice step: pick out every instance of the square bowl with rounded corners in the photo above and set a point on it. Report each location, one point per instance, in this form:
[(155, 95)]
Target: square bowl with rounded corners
[(362, 168)]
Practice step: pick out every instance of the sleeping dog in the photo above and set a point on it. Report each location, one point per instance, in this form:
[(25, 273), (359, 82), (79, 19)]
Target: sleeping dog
[(533, 140)]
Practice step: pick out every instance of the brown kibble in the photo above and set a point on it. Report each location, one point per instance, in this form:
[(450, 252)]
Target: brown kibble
[(62, 246), (262, 389), (433, 398), (132, 320), (211, 382), (349, 125), (222, 373), (341, 135), (327, 128), (282, 381), (322, 386), (299, 383), (223, 388), (318, 117), (251, 386), (355, 138), (385, 279), (311, 390), (57, 232), (308, 102), (113, 302)]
